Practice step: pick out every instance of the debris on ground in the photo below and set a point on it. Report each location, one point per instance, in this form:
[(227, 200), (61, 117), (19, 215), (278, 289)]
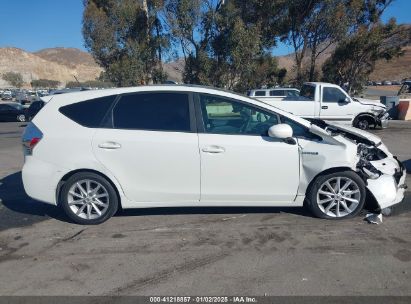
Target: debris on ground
[(373, 218)]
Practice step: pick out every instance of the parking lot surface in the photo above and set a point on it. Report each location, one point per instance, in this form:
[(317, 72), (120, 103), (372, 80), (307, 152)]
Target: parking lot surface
[(199, 251)]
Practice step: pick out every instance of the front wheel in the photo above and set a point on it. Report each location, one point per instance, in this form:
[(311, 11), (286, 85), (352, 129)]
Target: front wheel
[(88, 198), (336, 195)]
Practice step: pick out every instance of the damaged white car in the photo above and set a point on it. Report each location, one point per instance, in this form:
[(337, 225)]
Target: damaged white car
[(93, 152)]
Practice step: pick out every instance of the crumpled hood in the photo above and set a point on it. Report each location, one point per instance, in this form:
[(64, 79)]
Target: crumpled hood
[(370, 102), (360, 133)]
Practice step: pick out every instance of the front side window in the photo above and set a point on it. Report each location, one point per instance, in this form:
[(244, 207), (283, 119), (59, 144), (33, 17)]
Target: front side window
[(226, 116), (333, 95), (153, 111)]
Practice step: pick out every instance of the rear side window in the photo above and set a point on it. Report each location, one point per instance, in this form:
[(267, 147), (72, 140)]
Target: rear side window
[(259, 93), (89, 113), (292, 93), (277, 93), (153, 111)]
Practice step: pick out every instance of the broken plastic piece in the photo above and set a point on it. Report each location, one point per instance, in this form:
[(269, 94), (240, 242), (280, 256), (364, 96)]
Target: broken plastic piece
[(373, 218)]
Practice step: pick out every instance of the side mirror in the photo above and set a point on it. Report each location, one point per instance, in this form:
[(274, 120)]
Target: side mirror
[(344, 101), (281, 131)]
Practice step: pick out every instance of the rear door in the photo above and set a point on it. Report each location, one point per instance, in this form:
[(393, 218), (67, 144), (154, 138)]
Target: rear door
[(334, 107), (151, 146)]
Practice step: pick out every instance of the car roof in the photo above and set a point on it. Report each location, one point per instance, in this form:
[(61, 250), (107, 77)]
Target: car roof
[(274, 89)]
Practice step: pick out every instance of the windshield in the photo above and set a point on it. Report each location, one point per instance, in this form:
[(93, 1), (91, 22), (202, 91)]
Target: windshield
[(16, 106)]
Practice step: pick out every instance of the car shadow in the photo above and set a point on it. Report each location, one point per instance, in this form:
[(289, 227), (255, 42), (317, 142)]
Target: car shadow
[(19, 210)]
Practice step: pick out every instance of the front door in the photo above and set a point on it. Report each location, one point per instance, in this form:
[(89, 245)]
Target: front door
[(240, 164), (334, 106), (152, 148)]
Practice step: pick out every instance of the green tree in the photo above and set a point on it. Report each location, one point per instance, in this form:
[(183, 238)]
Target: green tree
[(354, 58), (15, 79), (312, 26), (126, 38), (192, 26)]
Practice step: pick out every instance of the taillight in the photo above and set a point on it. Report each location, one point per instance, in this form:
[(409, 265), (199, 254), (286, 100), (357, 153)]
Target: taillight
[(31, 137)]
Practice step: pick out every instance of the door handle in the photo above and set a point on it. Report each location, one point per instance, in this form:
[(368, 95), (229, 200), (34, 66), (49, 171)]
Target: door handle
[(213, 149), (324, 107), (110, 145)]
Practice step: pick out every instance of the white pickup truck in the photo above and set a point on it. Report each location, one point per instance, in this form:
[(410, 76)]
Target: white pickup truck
[(326, 101)]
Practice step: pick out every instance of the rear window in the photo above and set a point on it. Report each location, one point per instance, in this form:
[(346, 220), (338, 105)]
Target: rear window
[(308, 92), (89, 113), (153, 111)]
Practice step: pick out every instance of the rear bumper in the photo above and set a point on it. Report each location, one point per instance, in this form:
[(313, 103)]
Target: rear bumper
[(40, 179)]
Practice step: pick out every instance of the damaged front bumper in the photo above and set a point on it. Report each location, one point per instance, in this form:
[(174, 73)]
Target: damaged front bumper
[(383, 119), (388, 189)]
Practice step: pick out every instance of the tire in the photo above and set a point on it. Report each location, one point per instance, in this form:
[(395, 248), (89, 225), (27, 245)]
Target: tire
[(101, 198), (323, 200), (363, 123), (21, 118)]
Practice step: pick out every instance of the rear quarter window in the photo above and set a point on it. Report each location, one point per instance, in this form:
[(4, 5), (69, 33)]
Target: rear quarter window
[(89, 113), (259, 93)]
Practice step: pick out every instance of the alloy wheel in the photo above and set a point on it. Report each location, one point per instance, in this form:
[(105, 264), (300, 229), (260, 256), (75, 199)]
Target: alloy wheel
[(338, 196), (363, 124), (88, 199)]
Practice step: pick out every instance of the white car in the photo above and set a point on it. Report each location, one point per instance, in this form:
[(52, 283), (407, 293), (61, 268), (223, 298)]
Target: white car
[(92, 152)]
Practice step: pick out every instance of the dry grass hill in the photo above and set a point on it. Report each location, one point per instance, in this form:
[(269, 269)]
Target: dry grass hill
[(56, 64)]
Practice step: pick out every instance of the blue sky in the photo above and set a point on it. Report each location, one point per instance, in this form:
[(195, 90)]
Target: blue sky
[(36, 24)]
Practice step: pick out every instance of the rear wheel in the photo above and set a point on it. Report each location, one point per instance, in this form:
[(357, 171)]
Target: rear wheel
[(88, 199), (336, 195)]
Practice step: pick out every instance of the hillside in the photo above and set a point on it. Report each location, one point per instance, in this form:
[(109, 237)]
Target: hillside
[(70, 57), (396, 69), (56, 64)]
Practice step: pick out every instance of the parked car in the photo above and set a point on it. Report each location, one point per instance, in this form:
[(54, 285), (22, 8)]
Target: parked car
[(386, 83), (6, 95), (378, 83), (161, 146), (12, 112), (34, 108), (274, 93), (330, 102), (23, 98)]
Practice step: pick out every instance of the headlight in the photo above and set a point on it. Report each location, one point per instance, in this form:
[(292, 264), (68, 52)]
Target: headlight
[(377, 110)]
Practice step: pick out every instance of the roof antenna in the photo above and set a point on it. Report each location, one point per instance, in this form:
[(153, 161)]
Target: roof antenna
[(79, 83)]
